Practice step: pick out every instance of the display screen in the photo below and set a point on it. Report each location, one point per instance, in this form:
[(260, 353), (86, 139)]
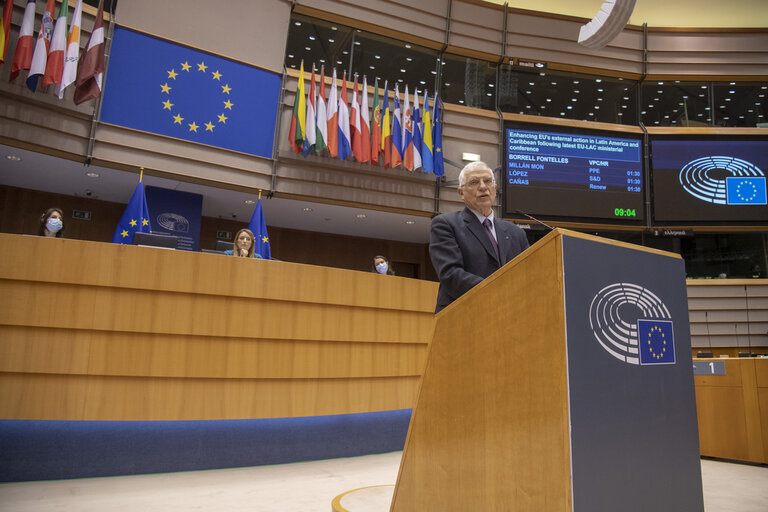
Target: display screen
[(713, 180), (574, 175)]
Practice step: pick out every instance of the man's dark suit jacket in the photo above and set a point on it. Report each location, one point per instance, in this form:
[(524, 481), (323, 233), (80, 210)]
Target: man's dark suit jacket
[(462, 253)]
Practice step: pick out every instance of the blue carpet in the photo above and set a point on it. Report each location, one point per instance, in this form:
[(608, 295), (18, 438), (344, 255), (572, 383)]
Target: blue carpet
[(51, 450)]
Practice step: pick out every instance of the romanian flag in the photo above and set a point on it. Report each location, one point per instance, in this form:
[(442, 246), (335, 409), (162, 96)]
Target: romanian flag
[(407, 133), (356, 138), (416, 131), (310, 129), (333, 119), (5, 29), (426, 145), (386, 134), (69, 73), (54, 66), (43, 43), (376, 125), (344, 139), (397, 132), (322, 116), (365, 127), (22, 57)]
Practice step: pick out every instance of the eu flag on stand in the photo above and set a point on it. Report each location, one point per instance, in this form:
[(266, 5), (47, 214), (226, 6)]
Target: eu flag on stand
[(656, 340), (160, 87), (135, 218), (259, 229)]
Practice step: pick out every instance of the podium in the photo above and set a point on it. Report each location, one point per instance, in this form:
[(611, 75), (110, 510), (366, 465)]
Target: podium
[(563, 382)]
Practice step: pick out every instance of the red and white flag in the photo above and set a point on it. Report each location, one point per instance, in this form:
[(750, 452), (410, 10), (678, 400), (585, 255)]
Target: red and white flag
[(22, 57), (354, 126), (90, 72), (54, 66), (365, 127), (43, 43), (69, 73)]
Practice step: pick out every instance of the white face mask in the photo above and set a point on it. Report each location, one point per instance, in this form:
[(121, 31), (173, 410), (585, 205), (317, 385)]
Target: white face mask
[(54, 225), (381, 268)]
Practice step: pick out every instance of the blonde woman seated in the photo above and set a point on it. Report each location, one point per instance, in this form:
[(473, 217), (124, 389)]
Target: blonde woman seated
[(244, 246)]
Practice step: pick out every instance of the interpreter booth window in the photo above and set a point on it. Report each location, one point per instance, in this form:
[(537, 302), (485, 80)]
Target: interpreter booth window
[(676, 103), (468, 81), (733, 255), (566, 95), (740, 104), (357, 51)]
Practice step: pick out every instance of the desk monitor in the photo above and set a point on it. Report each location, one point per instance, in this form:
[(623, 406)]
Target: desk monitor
[(222, 246), (156, 240)]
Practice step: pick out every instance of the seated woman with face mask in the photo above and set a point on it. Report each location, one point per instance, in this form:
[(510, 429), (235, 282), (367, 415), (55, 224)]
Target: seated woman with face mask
[(51, 223), (381, 266)]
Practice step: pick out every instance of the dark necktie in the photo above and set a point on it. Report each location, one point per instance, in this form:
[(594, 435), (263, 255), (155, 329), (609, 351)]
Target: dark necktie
[(488, 228)]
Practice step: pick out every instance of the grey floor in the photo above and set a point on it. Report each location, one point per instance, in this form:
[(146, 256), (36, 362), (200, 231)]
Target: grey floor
[(301, 487)]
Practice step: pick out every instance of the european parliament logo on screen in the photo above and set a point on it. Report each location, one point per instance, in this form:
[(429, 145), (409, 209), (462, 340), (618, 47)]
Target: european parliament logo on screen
[(632, 324), (724, 180), (157, 86)]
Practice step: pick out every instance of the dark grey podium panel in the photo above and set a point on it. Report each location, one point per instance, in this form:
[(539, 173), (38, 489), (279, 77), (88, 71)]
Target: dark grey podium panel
[(632, 407)]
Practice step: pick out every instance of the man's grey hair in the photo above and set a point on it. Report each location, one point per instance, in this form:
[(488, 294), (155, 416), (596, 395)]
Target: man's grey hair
[(473, 166)]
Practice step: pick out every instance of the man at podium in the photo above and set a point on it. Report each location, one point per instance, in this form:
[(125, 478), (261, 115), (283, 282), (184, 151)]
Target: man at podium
[(469, 245)]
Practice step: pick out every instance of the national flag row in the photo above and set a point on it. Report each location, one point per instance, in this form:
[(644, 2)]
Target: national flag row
[(400, 137), (54, 55)]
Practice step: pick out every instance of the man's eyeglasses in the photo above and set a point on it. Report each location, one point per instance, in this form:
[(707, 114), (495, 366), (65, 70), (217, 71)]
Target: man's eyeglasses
[(475, 182)]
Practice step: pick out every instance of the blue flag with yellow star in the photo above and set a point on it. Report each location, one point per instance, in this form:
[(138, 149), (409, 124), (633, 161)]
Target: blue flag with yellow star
[(135, 218), (259, 229), (157, 86), (745, 190), (656, 341)]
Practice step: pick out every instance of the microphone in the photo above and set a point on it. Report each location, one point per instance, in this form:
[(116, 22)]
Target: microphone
[(534, 219)]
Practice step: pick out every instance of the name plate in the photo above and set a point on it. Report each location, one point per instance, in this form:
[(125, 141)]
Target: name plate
[(709, 367)]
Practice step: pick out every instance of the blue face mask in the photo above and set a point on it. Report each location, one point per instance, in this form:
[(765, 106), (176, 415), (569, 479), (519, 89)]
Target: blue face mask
[(381, 268), (54, 225)]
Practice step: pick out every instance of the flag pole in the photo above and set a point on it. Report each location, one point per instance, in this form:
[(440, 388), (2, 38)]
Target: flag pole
[(141, 174), (259, 194)]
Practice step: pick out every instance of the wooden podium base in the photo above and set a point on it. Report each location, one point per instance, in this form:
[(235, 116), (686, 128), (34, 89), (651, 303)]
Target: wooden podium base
[(377, 498)]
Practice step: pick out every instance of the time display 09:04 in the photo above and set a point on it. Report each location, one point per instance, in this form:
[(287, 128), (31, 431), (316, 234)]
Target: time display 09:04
[(625, 212)]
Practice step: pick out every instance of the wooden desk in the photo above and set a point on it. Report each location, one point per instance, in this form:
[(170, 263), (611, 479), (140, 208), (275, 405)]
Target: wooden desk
[(94, 331), (733, 410)]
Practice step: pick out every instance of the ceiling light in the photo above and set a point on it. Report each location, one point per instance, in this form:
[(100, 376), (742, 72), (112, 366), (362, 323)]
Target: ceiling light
[(410, 222), (407, 46), (13, 158), (360, 215), (308, 48), (306, 209), (470, 157), (598, 80), (249, 201), (311, 38), (297, 23), (92, 174)]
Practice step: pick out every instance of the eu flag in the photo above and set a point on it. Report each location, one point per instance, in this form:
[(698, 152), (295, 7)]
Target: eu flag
[(656, 340), (745, 190), (135, 218), (160, 87), (259, 229)]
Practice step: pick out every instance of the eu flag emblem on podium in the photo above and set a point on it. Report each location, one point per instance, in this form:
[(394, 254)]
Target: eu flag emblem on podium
[(745, 190), (164, 88), (656, 340)]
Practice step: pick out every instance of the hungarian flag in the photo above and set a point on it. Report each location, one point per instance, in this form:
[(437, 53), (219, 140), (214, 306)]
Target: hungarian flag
[(354, 126), (397, 132), (438, 141), (22, 57), (365, 127), (5, 29), (310, 128), (322, 116), (69, 73), (333, 119), (386, 137), (416, 131), (54, 66), (90, 71), (295, 137), (426, 145), (376, 125), (343, 131), (43, 43), (407, 133)]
